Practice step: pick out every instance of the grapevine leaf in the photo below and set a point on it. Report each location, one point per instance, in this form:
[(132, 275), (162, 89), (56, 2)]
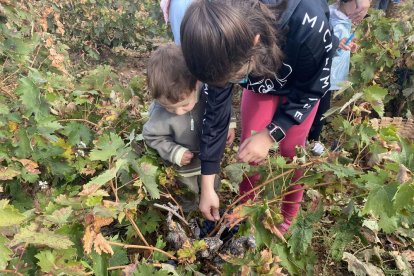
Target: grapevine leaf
[(106, 176), (9, 215), (375, 96), (149, 175), (8, 173), (77, 132), (379, 200), (235, 172), (144, 269), (149, 222), (404, 196), (5, 252), (361, 268), (100, 263), (30, 96), (161, 245), (42, 237), (60, 216), (106, 147), (345, 230), (46, 260), (302, 232)]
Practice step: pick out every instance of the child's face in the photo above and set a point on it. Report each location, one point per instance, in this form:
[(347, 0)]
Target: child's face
[(182, 107)]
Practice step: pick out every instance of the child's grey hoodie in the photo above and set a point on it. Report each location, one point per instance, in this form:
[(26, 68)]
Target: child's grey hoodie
[(171, 135)]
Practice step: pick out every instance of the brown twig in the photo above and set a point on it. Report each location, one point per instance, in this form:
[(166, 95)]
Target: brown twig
[(169, 195), (11, 271), (135, 226), (79, 120), (172, 211), (142, 247)]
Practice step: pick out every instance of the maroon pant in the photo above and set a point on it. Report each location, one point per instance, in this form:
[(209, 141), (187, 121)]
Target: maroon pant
[(257, 111)]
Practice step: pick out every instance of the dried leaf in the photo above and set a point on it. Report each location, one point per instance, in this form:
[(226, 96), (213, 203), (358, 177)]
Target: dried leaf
[(7, 173), (403, 175), (29, 165), (99, 222), (102, 245), (361, 268), (269, 225), (88, 171), (88, 239)]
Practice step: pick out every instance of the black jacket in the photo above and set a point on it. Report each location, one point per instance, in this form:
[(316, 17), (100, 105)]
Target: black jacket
[(304, 78)]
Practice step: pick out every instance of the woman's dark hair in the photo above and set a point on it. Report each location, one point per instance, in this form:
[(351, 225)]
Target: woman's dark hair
[(217, 39), (168, 75)]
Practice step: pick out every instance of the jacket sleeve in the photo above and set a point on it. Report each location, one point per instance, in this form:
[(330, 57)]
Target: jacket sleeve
[(157, 135), (216, 121), (310, 83)]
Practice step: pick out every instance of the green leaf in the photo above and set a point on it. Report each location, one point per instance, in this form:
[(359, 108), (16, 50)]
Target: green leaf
[(235, 172), (30, 97), (161, 245), (149, 221), (5, 252), (302, 231), (77, 132), (46, 260), (43, 237), (344, 231), (106, 176), (9, 215), (106, 147), (379, 200), (120, 256), (100, 263), (145, 270), (375, 95), (60, 216), (149, 176), (404, 196)]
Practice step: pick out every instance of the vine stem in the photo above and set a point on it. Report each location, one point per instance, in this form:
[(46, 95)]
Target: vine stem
[(79, 120), (245, 195), (172, 211), (142, 247), (136, 228), (11, 271), (109, 268)]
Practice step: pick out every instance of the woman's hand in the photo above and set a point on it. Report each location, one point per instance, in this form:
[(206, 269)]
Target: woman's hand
[(209, 201), (230, 136), (256, 148)]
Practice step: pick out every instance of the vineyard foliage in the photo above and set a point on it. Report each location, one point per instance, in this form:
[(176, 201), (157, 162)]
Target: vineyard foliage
[(78, 185)]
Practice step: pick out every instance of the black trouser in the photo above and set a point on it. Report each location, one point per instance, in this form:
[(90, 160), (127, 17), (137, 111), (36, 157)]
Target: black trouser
[(317, 125)]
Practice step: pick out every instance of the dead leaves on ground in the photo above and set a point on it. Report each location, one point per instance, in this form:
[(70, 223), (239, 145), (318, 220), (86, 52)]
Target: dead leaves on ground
[(93, 236)]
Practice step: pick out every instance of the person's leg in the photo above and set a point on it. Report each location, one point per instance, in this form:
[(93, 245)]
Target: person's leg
[(256, 113), (187, 195), (318, 122), (295, 136), (176, 14)]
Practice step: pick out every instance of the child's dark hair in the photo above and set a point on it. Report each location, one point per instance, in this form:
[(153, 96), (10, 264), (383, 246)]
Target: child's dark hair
[(217, 39), (168, 75)]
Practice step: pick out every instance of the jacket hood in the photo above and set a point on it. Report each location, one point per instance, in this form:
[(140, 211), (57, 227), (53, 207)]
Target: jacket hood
[(338, 16), (287, 13)]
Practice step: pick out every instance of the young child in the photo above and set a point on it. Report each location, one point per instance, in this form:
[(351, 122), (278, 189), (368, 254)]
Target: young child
[(175, 119), (342, 25)]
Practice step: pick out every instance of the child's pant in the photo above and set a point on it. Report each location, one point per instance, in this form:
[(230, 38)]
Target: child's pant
[(318, 123), (257, 111)]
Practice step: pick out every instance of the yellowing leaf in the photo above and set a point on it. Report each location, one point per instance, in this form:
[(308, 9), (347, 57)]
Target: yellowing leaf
[(13, 126), (7, 173), (43, 237), (88, 239), (9, 215), (68, 153)]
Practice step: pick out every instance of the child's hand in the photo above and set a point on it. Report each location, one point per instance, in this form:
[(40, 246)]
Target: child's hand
[(354, 46), (351, 46), (230, 136), (186, 159), (209, 201)]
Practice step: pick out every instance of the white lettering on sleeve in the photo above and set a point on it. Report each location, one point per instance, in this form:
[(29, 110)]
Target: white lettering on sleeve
[(309, 20), (298, 115)]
